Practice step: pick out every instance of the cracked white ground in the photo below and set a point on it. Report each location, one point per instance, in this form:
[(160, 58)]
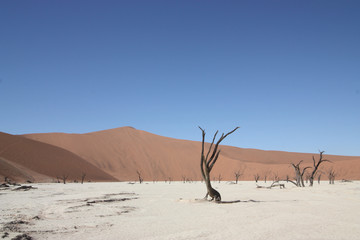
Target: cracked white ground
[(175, 211)]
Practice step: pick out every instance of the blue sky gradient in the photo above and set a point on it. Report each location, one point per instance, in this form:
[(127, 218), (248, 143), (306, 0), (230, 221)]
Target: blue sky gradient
[(286, 72)]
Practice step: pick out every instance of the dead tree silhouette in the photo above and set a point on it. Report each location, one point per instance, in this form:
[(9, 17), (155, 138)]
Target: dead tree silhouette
[(316, 166), (256, 177), (299, 174), (331, 176), (83, 175), (139, 176), (64, 177), (207, 162), (239, 173)]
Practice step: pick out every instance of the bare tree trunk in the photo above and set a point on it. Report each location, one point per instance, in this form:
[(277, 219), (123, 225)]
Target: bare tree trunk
[(331, 176), (256, 177), (239, 173), (299, 174), (83, 175), (64, 177), (207, 162), (140, 177), (316, 166), (183, 178), (236, 178), (276, 177), (266, 175)]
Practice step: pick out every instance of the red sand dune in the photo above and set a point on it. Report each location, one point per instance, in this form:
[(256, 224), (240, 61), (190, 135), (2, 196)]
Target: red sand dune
[(122, 151), (23, 159)]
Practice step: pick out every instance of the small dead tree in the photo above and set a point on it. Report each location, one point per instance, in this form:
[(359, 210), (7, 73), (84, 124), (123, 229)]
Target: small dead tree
[(208, 161), (256, 177), (220, 178), (266, 174), (316, 167), (183, 177), (237, 176), (64, 177), (319, 178), (139, 176), (239, 173), (331, 175), (276, 177), (299, 174), (83, 175)]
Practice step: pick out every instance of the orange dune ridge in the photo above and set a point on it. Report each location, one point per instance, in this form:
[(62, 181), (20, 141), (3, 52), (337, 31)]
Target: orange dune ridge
[(23, 159), (121, 152)]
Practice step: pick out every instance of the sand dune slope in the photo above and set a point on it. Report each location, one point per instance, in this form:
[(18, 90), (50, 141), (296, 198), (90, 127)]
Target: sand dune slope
[(24, 159), (122, 151)]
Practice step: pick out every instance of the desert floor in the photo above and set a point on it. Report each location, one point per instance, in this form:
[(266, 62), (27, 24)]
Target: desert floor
[(175, 211)]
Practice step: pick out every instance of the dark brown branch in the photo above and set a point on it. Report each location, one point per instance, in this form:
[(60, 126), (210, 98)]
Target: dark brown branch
[(207, 155), (206, 163), (316, 166)]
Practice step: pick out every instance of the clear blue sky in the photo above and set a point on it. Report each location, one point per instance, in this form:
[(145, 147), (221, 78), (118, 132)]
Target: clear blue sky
[(286, 72)]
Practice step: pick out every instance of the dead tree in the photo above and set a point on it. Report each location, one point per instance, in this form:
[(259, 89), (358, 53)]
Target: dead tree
[(319, 178), (220, 178), (316, 167), (239, 173), (256, 177), (64, 177), (276, 177), (139, 176), (83, 175), (183, 177), (331, 175), (266, 175), (299, 174), (237, 176), (207, 162)]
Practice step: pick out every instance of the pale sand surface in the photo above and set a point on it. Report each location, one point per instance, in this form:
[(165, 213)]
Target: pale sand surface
[(170, 211)]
